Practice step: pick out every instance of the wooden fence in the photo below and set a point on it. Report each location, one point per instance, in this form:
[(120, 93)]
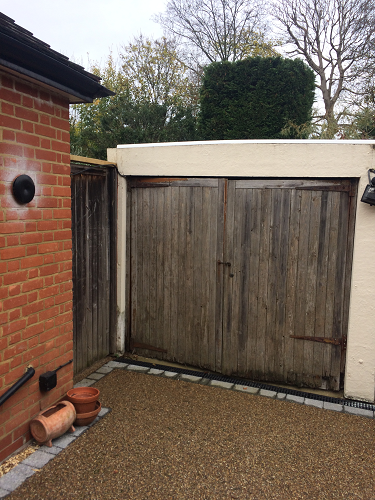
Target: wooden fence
[(94, 189)]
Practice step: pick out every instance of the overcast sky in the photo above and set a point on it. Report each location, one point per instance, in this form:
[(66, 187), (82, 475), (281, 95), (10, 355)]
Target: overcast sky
[(85, 30)]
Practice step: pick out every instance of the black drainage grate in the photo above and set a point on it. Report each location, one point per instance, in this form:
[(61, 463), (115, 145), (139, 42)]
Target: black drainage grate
[(259, 385)]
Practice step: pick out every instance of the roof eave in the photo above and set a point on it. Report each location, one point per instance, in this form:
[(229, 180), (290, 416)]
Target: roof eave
[(72, 95), (58, 73)]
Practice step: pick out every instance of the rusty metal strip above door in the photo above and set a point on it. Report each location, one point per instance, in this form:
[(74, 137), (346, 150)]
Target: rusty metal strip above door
[(323, 340)]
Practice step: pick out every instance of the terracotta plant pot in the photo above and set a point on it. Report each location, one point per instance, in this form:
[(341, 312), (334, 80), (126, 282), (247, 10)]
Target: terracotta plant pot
[(87, 418), (53, 422), (83, 398)]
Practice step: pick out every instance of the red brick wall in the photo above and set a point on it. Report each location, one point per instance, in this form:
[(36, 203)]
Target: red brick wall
[(36, 325)]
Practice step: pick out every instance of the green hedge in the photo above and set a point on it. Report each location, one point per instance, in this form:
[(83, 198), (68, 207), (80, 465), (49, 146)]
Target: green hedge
[(256, 99)]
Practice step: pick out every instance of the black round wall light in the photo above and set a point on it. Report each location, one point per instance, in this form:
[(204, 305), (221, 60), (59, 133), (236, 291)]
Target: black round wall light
[(23, 189)]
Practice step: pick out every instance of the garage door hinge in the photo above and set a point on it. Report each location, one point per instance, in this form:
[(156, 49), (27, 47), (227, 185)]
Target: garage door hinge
[(324, 340)]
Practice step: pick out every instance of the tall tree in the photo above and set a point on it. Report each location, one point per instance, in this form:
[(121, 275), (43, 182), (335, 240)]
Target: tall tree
[(155, 101), (336, 39), (156, 74), (216, 30)]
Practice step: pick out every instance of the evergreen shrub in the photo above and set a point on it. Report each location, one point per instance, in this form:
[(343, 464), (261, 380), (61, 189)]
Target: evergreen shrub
[(256, 98)]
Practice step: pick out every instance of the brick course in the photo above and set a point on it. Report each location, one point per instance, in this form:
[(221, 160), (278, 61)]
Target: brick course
[(35, 253)]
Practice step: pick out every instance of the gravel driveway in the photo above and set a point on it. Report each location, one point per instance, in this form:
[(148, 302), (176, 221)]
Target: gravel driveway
[(168, 439)]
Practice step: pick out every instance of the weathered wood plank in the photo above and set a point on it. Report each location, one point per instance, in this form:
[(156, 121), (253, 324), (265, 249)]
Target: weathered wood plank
[(219, 272), (95, 275), (136, 265), (160, 222), (229, 354), (321, 285), (134, 256), (254, 205), (198, 271), (90, 161), (167, 273), (241, 276), (183, 288), (303, 251), (281, 289), (310, 377), (153, 338), (105, 246), (338, 309), (103, 261), (264, 247), (138, 313), (88, 263), (291, 286), (233, 273), (84, 282), (175, 203), (334, 222), (205, 227), (130, 261), (196, 182), (156, 182), (333, 184), (213, 298), (273, 271), (190, 254), (144, 325)]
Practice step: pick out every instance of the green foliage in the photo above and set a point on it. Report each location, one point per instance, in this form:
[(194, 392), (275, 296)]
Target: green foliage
[(117, 120), (257, 98), (155, 101), (358, 125), (156, 74)]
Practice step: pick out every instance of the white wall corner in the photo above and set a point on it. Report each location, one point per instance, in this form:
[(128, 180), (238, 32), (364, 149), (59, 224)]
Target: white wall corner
[(112, 155), (121, 263), (360, 359)]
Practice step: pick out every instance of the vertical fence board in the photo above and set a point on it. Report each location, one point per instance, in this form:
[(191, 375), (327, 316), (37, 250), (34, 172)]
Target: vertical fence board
[(289, 374), (281, 291), (254, 197)]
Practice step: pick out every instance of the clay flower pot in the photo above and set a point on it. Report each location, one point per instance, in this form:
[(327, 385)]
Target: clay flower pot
[(53, 422), (83, 398), (87, 418)]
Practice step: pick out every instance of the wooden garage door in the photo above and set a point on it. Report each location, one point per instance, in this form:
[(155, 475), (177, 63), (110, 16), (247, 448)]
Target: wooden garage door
[(243, 277), (176, 240)]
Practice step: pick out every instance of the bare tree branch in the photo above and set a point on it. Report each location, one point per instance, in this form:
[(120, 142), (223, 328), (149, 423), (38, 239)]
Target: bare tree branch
[(335, 37), (213, 30)]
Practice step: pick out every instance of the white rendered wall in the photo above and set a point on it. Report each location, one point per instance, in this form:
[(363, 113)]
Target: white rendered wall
[(269, 158)]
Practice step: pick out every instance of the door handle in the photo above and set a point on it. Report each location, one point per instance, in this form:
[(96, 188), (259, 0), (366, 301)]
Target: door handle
[(224, 263)]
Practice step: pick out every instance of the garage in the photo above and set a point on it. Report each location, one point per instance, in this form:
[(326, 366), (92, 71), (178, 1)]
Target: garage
[(245, 277)]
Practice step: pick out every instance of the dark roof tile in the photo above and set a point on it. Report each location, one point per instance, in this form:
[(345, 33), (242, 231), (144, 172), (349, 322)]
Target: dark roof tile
[(20, 51)]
